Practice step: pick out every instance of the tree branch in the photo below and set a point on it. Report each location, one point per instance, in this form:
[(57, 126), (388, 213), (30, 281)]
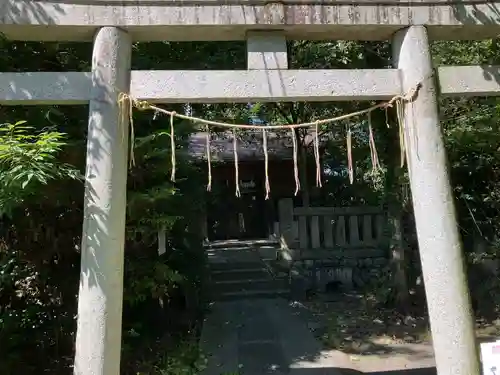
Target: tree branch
[(282, 112)]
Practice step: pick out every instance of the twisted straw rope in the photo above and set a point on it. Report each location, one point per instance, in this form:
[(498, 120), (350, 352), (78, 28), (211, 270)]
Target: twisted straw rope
[(317, 157), (295, 162), (350, 166), (236, 168), (143, 105), (398, 100), (373, 148), (266, 163), (209, 161), (172, 145)]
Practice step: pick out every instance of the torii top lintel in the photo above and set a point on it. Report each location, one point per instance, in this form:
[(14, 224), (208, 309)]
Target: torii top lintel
[(198, 20)]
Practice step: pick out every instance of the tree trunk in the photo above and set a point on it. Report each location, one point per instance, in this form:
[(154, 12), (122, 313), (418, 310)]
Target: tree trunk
[(398, 257), (303, 175), (394, 200)]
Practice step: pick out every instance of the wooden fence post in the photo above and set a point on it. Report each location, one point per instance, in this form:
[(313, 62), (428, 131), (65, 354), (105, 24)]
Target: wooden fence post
[(285, 211)]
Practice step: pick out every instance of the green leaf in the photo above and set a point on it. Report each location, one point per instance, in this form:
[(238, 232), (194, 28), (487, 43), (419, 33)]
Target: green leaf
[(26, 182)]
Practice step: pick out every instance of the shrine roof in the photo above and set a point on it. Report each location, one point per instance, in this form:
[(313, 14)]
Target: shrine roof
[(249, 146)]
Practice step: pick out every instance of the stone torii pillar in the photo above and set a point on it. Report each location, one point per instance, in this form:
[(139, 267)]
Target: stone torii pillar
[(441, 254), (98, 338)]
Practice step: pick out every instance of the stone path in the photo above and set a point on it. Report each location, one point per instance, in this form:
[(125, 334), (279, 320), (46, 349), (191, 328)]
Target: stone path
[(257, 337), (244, 335), (269, 336)]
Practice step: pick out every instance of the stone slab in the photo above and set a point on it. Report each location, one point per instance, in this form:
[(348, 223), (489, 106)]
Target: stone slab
[(266, 50), (219, 339), (158, 86), (467, 81), (265, 85), (209, 86), (261, 358), (52, 20)]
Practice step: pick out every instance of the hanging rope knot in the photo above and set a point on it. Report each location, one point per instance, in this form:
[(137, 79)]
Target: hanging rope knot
[(122, 97), (412, 93), (124, 101), (409, 97), (141, 105), (389, 104)]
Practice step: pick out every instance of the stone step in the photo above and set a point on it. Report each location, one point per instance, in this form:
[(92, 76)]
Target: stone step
[(231, 252), (253, 294), (239, 261), (240, 274), (235, 244), (265, 251), (234, 266), (230, 286), (232, 249)]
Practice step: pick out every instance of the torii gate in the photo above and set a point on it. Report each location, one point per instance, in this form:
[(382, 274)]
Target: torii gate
[(115, 24)]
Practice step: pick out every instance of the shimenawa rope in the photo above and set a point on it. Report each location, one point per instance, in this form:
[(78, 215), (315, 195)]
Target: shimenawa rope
[(209, 161), (236, 168), (266, 163), (398, 101)]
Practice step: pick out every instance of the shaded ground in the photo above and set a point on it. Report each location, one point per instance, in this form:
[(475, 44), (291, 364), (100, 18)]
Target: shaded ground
[(274, 336), (337, 334), (256, 337), (376, 340), (355, 324), (371, 340)]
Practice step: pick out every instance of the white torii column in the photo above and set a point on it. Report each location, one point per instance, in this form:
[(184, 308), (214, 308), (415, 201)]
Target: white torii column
[(441, 254), (98, 338)]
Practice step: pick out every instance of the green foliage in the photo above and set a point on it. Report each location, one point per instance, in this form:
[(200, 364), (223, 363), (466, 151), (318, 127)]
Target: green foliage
[(151, 279), (38, 288), (470, 127), (28, 160), (185, 359), (20, 280), (188, 360)]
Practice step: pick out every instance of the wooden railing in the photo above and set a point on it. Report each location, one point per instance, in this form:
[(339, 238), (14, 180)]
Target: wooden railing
[(319, 231)]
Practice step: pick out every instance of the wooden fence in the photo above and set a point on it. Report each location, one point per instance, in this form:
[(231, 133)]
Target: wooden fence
[(319, 232)]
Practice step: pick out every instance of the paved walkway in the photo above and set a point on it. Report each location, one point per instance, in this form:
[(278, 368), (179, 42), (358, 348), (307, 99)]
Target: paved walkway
[(257, 337)]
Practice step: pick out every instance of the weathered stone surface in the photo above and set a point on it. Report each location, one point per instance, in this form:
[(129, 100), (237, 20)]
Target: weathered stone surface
[(439, 241), (224, 20), (157, 86), (40, 88), (100, 298), (309, 274)]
